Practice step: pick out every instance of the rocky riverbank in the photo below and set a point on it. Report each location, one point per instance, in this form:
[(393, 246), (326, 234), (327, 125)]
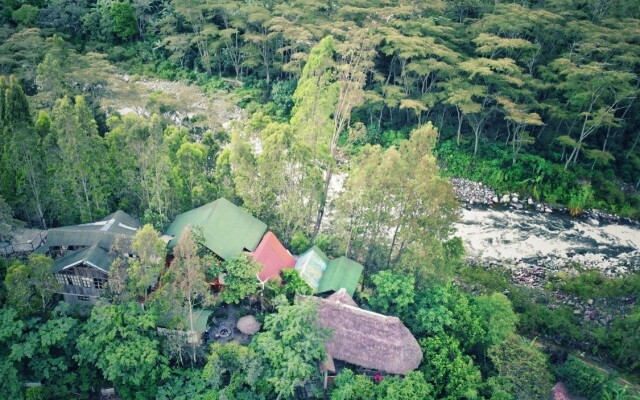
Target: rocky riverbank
[(476, 194), (602, 311)]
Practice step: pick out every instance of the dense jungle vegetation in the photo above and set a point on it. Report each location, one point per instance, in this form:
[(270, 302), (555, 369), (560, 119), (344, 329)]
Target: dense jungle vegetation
[(538, 97)]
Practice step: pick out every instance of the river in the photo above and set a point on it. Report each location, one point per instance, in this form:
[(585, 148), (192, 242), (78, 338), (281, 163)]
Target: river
[(552, 241)]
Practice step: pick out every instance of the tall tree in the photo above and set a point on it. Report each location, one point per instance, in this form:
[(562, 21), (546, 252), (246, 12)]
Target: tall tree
[(593, 93), (80, 174), (315, 101), (22, 155), (145, 269), (187, 272), (396, 197), (42, 279), (355, 56)]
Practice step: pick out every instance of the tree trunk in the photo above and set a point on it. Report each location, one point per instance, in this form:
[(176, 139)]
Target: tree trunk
[(459, 126), (566, 165), (633, 147), (323, 202)]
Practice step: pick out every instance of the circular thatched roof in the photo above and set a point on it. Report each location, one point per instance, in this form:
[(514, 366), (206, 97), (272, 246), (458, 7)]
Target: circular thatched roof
[(248, 325)]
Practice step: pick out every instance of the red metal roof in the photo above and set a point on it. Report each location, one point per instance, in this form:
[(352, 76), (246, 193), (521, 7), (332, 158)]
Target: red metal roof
[(273, 257)]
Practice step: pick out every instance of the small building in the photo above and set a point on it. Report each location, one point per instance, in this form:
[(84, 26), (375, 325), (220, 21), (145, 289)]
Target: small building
[(83, 254), (83, 274), (182, 332), (227, 230), (311, 266), (325, 275), (372, 342), (273, 257), (341, 273), (117, 227)]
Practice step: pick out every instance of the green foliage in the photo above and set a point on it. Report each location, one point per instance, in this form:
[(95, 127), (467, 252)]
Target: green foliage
[(412, 386), (7, 223), (32, 284), (348, 386), (593, 285), (282, 97), (293, 284), (626, 336), (583, 379), (299, 243), (20, 295), (118, 341), (26, 15), (183, 384), (580, 199), (452, 373), (524, 366), (497, 318), (394, 294), (42, 350), (234, 371), (239, 278), (445, 311), (331, 245), (291, 346), (36, 393), (124, 20), (397, 210)]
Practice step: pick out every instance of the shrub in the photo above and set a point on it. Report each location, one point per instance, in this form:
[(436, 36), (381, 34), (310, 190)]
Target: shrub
[(299, 243), (583, 379)]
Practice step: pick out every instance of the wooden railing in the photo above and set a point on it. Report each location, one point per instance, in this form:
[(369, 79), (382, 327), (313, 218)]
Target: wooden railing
[(22, 249)]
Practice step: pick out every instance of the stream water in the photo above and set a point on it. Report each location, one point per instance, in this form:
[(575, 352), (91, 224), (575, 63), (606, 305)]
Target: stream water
[(550, 240)]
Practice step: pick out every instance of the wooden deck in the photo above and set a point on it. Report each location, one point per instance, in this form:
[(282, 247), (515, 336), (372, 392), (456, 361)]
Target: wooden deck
[(24, 242)]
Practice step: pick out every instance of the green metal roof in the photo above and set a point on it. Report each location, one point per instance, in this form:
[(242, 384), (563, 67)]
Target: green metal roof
[(94, 256), (227, 230), (341, 272), (311, 266), (102, 233), (200, 321)]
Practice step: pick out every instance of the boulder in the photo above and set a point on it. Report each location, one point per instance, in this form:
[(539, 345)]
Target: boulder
[(248, 325)]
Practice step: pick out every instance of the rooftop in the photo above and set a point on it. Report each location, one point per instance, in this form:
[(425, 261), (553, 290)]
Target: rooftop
[(102, 233), (341, 272), (365, 338), (94, 256), (311, 265), (273, 257), (227, 229)]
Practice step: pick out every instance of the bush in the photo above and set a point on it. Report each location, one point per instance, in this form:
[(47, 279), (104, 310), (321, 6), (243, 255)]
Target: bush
[(36, 393), (282, 96), (583, 379), (299, 243), (593, 285), (331, 245)]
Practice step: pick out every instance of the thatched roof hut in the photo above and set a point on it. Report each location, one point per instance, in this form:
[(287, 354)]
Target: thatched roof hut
[(248, 325), (365, 338)]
